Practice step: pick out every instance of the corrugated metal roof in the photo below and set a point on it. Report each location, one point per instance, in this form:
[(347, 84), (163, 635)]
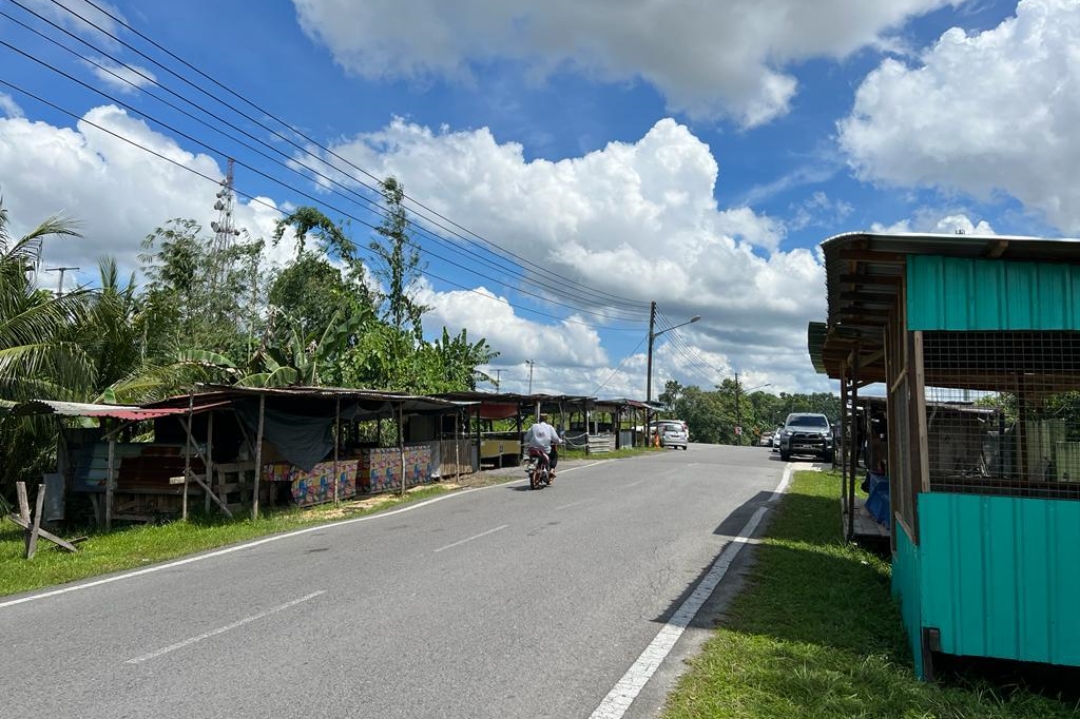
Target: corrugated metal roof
[(866, 271), (373, 403), (87, 409), (964, 294)]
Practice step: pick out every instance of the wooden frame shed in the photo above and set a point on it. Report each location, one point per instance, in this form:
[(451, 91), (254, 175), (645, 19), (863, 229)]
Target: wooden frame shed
[(975, 343)]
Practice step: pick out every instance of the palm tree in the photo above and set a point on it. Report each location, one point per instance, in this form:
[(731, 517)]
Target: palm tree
[(37, 356)]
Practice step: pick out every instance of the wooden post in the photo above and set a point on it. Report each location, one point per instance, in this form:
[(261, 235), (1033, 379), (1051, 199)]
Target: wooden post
[(31, 541), (457, 447), (24, 511), (337, 433), (846, 441), (401, 446), (110, 482), (187, 454), (209, 460), (258, 457), (854, 457)]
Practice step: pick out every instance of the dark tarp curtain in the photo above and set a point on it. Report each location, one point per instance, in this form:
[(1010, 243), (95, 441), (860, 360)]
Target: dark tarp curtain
[(303, 441)]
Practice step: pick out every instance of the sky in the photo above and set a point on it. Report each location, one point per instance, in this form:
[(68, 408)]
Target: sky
[(566, 163)]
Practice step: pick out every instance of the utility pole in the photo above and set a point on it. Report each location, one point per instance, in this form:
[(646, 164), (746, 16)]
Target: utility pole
[(648, 370), (60, 284), (498, 380), (531, 364), (738, 430)]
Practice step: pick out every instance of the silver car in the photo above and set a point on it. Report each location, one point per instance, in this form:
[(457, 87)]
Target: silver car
[(673, 434)]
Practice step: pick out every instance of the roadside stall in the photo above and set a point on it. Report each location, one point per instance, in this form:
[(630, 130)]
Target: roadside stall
[(975, 343)]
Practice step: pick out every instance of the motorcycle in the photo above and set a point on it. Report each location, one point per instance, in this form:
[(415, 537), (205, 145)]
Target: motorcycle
[(538, 469)]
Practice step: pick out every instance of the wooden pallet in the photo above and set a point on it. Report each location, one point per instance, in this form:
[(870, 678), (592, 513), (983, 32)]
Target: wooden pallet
[(865, 524)]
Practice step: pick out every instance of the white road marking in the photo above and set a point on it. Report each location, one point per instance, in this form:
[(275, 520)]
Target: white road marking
[(633, 484), (237, 548), (574, 504), (258, 542), (620, 698), (475, 536), (222, 630)]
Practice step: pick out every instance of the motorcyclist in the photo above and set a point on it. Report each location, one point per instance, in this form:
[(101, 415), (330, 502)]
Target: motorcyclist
[(543, 437)]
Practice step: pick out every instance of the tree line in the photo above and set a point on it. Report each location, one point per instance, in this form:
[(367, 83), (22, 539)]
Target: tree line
[(713, 415), (211, 312)]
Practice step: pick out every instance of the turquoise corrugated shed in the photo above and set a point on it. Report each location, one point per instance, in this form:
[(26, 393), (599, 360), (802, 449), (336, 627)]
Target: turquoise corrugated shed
[(998, 577), (958, 293), (905, 590)]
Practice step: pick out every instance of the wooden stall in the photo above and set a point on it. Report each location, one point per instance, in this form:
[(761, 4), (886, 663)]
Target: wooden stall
[(974, 342)]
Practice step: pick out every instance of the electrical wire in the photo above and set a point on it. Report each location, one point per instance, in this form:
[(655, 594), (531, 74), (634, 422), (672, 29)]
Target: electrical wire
[(619, 368), (256, 200), (378, 208), (291, 188), (541, 270)]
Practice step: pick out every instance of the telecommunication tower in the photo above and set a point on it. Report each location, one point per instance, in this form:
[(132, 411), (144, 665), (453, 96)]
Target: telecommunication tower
[(223, 226)]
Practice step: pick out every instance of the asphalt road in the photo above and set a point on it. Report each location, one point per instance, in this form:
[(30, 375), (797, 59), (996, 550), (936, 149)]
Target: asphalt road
[(499, 602)]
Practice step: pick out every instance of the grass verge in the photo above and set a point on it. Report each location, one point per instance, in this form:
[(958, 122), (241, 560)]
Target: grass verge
[(815, 634), (139, 546)]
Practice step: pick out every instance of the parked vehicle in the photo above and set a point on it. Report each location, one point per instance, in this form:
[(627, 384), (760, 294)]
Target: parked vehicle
[(766, 439), (672, 433), (806, 433), (537, 469), (776, 439)]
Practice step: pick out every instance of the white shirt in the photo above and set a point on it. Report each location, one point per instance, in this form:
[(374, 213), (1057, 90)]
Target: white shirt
[(542, 435)]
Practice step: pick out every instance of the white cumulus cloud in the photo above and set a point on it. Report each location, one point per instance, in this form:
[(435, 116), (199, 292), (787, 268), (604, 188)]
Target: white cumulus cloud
[(117, 192), (636, 220), (985, 113), (708, 59)]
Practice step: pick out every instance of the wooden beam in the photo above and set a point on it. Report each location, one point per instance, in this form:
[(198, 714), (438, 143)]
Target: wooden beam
[(889, 298), (872, 280), (872, 256), (848, 308), (995, 249)]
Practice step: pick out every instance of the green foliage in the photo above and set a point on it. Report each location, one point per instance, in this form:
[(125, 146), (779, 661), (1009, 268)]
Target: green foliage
[(39, 356), (397, 261), (193, 288), (712, 416)]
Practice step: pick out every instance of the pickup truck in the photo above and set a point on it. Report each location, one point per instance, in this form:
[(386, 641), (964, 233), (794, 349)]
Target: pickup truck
[(806, 433)]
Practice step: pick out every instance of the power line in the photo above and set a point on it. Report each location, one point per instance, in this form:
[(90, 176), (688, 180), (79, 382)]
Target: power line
[(256, 200), (377, 208), (614, 299), (287, 186), (123, 23), (619, 368)]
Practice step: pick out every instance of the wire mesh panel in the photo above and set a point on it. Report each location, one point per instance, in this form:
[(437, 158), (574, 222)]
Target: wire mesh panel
[(1003, 412)]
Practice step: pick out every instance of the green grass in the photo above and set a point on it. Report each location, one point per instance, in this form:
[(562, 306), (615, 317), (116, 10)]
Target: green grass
[(815, 634), (139, 546)]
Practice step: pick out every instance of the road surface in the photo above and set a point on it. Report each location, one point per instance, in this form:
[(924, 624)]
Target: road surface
[(500, 602)]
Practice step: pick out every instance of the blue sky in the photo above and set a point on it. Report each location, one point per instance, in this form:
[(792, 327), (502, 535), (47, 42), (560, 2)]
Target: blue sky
[(690, 153)]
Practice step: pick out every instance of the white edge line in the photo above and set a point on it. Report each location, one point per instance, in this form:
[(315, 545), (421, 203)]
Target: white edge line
[(469, 539), (221, 630), (236, 548), (626, 690), (258, 542)]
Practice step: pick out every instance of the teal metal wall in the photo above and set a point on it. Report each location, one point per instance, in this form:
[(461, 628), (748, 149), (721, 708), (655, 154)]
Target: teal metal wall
[(956, 293), (998, 576), (905, 590)]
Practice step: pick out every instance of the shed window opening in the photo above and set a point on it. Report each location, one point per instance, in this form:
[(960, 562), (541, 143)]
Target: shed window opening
[(1003, 412)]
